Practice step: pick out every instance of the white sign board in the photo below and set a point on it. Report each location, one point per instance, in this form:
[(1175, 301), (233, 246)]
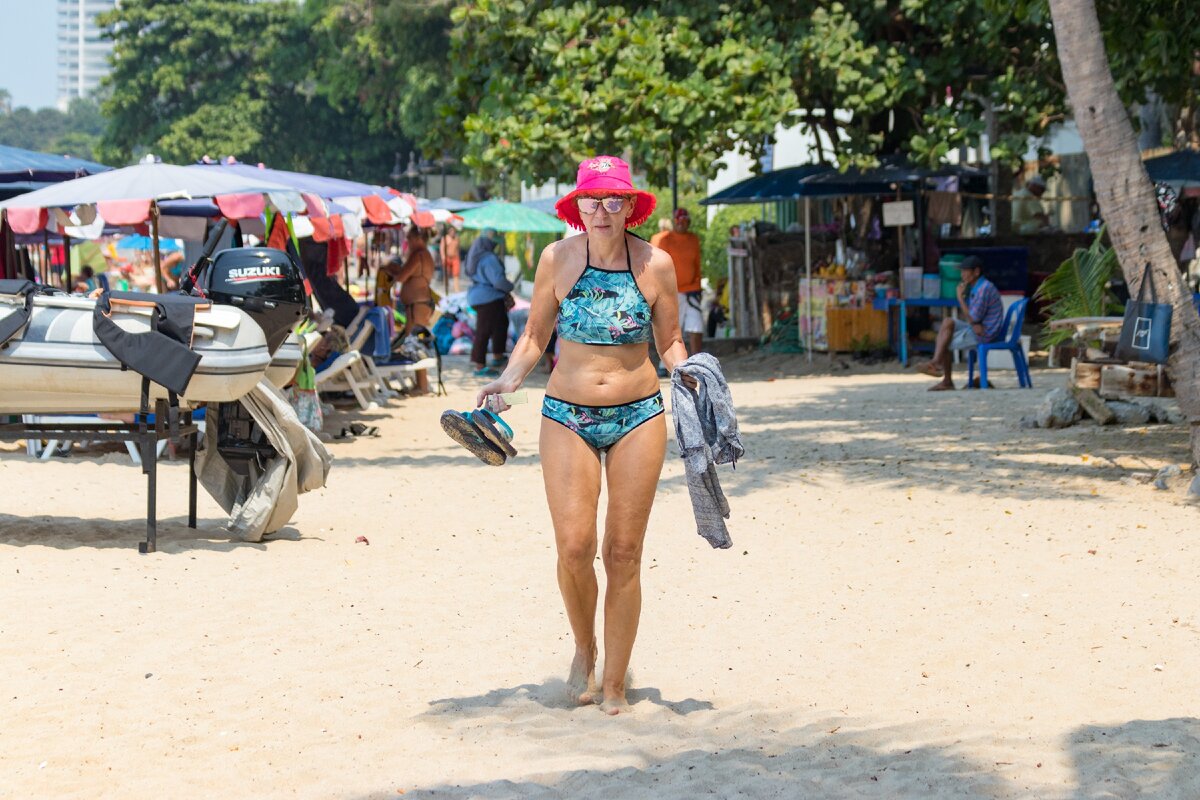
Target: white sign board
[(898, 212)]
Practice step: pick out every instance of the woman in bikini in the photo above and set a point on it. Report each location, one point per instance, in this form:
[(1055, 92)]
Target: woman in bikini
[(608, 294), (415, 277)]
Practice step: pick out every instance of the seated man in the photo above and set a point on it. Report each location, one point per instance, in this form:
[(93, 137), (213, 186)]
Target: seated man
[(1028, 213), (979, 302)]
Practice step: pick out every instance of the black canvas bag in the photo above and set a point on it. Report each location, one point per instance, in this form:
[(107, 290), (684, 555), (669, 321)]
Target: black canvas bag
[(1146, 331), (164, 353)]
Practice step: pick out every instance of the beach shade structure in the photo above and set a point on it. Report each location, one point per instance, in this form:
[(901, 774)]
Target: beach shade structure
[(511, 217), (545, 205), (130, 196), (26, 170), (817, 180), (446, 204), (128, 188), (138, 242), (1180, 169), (770, 187)]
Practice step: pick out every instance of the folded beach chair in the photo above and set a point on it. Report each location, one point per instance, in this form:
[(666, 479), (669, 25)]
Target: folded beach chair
[(347, 370)]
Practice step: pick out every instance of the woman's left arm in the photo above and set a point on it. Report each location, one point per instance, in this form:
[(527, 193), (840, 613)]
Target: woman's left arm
[(664, 315)]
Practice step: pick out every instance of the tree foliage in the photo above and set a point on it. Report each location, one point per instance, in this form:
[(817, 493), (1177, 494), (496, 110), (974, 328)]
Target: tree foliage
[(75, 132), (540, 85), (232, 77), (918, 76), (385, 57), (1080, 287)]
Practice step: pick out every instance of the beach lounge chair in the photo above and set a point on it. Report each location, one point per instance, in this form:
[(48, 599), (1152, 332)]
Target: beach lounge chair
[(349, 370), (1013, 321)]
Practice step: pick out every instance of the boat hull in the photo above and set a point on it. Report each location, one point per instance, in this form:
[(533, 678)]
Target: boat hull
[(56, 365), (284, 363)]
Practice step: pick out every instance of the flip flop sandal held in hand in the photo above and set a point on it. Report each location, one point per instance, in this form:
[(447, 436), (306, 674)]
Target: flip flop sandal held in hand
[(462, 429), (494, 429)]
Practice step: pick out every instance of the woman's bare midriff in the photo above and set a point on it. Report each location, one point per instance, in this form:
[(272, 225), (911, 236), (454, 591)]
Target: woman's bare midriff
[(602, 375)]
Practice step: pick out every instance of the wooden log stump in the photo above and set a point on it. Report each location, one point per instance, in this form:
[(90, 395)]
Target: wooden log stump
[(1129, 380), (1094, 406), (1085, 374)]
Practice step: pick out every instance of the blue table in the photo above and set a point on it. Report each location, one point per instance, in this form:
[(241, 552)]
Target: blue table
[(902, 304)]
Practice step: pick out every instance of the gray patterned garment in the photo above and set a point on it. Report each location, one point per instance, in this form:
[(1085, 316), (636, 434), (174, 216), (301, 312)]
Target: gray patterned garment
[(707, 434)]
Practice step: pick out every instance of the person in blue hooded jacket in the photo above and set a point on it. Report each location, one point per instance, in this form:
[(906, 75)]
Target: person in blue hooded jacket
[(489, 296)]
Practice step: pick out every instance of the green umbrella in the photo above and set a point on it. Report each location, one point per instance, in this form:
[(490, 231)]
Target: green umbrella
[(511, 217)]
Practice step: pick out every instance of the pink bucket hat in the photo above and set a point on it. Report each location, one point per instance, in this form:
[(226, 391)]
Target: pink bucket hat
[(605, 174)]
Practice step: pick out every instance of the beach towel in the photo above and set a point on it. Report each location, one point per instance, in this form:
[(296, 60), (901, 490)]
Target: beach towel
[(707, 434)]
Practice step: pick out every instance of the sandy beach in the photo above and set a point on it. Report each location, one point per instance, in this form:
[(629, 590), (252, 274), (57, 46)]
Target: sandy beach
[(923, 601)]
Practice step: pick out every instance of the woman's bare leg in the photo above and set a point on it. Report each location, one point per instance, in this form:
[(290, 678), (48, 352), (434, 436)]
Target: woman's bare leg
[(632, 468), (571, 471)]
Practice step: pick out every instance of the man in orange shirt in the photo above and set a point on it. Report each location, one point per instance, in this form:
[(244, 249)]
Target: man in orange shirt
[(684, 249)]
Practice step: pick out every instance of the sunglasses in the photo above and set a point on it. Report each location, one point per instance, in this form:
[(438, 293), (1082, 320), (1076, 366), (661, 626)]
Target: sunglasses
[(588, 205)]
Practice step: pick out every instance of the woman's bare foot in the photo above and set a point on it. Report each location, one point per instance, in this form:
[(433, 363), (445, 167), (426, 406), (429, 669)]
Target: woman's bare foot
[(615, 703), (582, 680)]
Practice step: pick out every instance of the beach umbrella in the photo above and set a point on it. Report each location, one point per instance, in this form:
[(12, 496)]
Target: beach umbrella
[(446, 204), (18, 164), (139, 242), (130, 195), (144, 183), (511, 217)]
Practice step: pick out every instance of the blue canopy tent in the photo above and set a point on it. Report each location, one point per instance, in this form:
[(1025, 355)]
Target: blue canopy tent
[(26, 170), (817, 180), (1181, 169)]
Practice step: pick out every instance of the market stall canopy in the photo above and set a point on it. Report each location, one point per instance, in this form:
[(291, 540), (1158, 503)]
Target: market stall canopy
[(30, 167), (817, 180), (511, 217), (782, 184), (883, 179), (1181, 169)]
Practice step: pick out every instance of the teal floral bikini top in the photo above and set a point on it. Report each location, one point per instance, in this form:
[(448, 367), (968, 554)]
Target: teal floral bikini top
[(605, 307)]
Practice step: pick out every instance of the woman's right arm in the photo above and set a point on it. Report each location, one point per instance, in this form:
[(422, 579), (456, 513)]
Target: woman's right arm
[(528, 350)]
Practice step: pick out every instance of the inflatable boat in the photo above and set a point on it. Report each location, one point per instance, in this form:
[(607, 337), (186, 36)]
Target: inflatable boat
[(285, 361), (60, 355)]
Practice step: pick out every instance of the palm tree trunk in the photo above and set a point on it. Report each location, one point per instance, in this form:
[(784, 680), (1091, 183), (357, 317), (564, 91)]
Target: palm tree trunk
[(1125, 193)]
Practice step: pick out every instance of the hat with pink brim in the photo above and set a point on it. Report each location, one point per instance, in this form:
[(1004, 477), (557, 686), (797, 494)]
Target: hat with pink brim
[(600, 175)]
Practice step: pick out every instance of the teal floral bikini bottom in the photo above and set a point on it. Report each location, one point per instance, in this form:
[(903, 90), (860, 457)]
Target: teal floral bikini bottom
[(602, 426)]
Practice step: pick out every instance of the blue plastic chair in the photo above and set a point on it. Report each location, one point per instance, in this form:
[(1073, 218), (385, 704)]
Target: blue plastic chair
[(1014, 318)]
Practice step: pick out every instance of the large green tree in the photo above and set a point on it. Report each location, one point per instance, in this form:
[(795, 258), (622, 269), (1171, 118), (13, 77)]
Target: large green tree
[(920, 77), (387, 58), (539, 85), (232, 77)]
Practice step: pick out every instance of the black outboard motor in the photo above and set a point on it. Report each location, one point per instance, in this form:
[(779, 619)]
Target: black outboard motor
[(262, 281)]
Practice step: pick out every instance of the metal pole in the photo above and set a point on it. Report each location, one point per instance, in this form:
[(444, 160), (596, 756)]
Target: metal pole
[(808, 272), (5, 233), (159, 283), (44, 272), (66, 261)]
